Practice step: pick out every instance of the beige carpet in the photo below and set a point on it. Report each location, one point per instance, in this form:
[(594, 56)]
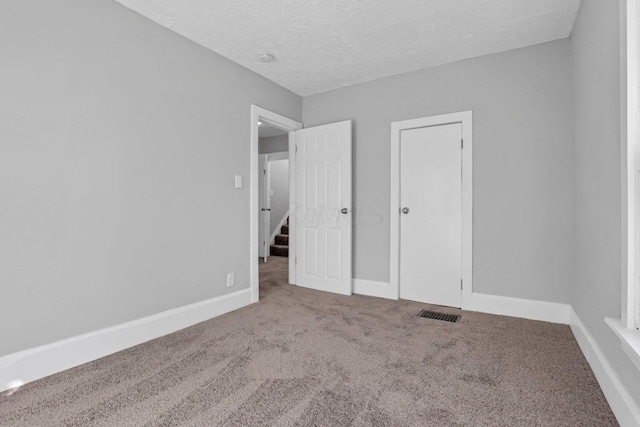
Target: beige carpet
[(306, 358)]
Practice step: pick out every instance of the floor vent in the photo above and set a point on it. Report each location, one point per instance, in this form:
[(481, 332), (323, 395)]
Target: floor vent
[(439, 316)]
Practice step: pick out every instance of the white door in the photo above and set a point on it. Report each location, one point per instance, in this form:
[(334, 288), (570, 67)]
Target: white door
[(264, 202), (322, 218), (431, 218)]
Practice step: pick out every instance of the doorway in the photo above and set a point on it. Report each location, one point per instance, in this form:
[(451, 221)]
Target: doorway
[(320, 203), (431, 209), (262, 117)]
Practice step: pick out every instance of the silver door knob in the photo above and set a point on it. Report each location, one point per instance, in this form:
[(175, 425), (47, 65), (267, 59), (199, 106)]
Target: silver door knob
[(344, 211), (405, 210)]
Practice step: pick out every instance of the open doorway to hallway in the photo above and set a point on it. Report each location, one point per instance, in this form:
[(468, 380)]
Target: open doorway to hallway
[(272, 137), (273, 177)]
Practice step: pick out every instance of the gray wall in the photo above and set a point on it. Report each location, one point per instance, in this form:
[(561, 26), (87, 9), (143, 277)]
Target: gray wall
[(280, 188), (598, 199), (119, 140), (523, 165), (273, 144)]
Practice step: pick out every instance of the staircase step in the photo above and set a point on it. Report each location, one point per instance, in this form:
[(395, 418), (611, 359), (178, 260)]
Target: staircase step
[(279, 250), (282, 239), (284, 229)]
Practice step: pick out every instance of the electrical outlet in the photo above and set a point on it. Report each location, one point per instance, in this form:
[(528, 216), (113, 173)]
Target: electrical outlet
[(231, 279)]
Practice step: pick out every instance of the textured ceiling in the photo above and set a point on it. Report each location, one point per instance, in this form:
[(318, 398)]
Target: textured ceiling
[(327, 44)]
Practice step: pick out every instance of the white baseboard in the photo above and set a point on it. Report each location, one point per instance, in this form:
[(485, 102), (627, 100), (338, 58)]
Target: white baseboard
[(374, 289), (620, 401), (492, 304), (29, 365), (517, 307)]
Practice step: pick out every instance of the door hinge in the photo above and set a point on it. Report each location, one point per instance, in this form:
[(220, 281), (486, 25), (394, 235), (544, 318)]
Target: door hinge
[(296, 148), (461, 281), (461, 144), (296, 260), (264, 171)]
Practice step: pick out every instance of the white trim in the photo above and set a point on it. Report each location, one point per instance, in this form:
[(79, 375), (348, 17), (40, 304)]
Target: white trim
[(466, 119), (32, 364), (280, 122), (277, 155), (292, 208), (545, 311), (630, 82), (277, 230), (517, 307), (630, 339), (374, 289), (622, 404)]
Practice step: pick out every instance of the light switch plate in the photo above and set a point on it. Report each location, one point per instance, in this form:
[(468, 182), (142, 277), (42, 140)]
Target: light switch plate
[(238, 181)]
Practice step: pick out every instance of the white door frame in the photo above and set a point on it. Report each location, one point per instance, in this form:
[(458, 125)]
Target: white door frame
[(630, 97), (465, 118), (280, 122)]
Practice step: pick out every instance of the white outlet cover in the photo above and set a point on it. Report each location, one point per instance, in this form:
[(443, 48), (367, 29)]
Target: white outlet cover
[(231, 279), (238, 181)]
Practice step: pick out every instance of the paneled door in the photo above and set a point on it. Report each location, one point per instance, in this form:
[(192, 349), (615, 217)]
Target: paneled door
[(323, 214), (431, 214)]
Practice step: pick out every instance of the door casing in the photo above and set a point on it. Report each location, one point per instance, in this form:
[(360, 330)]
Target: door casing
[(466, 120)]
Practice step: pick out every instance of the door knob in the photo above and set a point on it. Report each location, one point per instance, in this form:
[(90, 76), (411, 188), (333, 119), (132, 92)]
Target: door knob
[(266, 209), (344, 211), (405, 210)]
